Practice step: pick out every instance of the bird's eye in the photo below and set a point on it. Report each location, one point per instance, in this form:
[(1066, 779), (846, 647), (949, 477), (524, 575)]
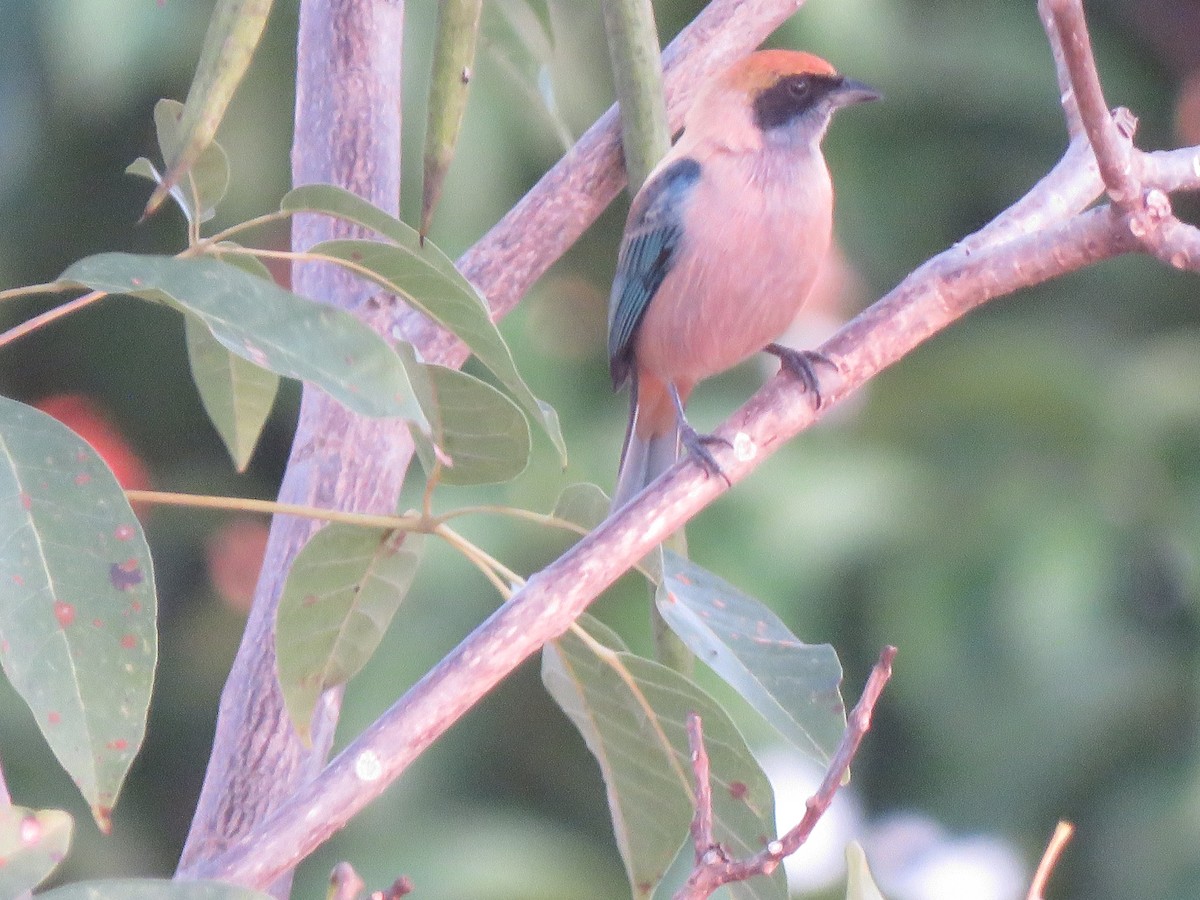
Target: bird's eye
[(799, 87)]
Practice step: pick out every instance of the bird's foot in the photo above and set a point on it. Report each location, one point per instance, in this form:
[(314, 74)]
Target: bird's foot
[(801, 365), (697, 445)]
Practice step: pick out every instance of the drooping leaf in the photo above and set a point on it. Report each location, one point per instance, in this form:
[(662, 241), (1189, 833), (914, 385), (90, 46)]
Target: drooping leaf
[(449, 82), (152, 889), (77, 603), (583, 504), (632, 712), (859, 883), (483, 436), (270, 327), (794, 686), (233, 34), (202, 186), (342, 591), (237, 395), (32, 844), (454, 304)]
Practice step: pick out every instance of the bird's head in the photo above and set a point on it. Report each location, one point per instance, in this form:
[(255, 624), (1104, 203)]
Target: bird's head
[(773, 97)]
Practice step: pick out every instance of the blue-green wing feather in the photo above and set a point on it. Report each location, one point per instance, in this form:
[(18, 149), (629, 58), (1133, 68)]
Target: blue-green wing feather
[(652, 239)]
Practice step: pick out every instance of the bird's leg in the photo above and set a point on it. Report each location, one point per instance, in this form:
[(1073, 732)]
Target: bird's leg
[(801, 365), (697, 443)]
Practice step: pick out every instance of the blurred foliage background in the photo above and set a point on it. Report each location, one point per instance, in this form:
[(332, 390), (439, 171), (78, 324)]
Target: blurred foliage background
[(1016, 505)]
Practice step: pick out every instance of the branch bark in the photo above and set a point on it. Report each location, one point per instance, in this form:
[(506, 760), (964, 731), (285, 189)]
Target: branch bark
[(347, 133)]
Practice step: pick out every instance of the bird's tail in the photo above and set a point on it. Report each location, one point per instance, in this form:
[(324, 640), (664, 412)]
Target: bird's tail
[(642, 459)]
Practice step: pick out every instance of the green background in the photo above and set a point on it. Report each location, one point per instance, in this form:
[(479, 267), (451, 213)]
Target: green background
[(1016, 505)]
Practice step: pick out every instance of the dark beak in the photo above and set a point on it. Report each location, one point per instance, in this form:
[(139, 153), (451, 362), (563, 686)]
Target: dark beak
[(850, 92)]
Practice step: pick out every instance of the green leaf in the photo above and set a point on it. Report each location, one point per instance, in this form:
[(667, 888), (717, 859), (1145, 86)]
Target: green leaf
[(583, 504), (204, 185), (451, 301), (859, 883), (449, 83), (794, 686), (237, 395), (631, 712), (519, 36), (342, 204), (233, 34), (270, 327), (77, 605), (482, 433), (342, 591), (32, 844), (152, 889)]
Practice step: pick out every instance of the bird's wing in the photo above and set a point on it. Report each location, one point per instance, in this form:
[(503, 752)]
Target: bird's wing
[(652, 237)]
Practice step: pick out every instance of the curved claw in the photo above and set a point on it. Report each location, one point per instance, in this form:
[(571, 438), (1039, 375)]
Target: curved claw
[(697, 446), (801, 365)]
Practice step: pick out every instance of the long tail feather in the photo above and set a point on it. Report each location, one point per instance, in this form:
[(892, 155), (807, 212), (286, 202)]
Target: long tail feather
[(642, 460)]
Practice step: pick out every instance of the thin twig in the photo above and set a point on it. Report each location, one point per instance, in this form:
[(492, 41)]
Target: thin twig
[(1112, 146), (714, 869), (1058, 841), (274, 508), (1066, 94), (51, 315), (702, 821)]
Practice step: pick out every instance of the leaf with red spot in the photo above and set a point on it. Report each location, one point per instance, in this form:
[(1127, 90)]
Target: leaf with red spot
[(32, 844), (77, 605), (794, 686), (631, 712)]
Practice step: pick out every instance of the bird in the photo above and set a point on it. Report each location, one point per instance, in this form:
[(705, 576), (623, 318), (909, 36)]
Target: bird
[(722, 245)]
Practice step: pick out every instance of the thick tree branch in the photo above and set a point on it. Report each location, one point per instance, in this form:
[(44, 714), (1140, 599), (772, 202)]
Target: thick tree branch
[(347, 133), (714, 867)]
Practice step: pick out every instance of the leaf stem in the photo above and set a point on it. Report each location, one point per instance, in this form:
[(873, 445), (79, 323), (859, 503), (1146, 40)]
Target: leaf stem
[(272, 507), (30, 325), (28, 290), (504, 579), (226, 233)]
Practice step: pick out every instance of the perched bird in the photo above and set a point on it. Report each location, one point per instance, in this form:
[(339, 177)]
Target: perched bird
[(722, 246)]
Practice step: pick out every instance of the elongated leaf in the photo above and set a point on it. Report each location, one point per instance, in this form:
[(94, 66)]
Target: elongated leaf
[(32, 844), (482, 434), (632, 712), (344, 588), (451, 302), (200, 188), (449, 82), (794, 686), (77, 605), (152, 889), (270, 327), (237, 395), (519, 35), (233, 34), (859, 883)]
